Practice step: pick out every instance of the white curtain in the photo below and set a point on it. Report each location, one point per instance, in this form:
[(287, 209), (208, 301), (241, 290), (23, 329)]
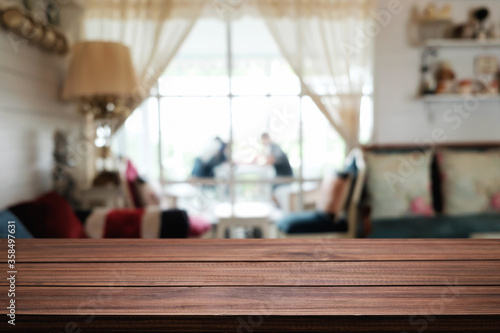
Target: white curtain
[(328, 44), (153, 30)]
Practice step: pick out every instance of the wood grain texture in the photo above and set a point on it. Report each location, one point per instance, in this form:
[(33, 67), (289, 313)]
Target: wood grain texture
[(256, 285), (276, 301), (371, 273), (213, 250)]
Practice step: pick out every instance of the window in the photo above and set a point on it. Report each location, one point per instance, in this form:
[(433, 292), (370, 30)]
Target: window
[(230, 81)]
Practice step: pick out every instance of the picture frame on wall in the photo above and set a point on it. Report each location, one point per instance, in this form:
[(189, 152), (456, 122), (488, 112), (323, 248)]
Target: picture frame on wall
[(486, 69)]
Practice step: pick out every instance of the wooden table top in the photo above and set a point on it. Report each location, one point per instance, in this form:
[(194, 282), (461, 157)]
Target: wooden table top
[(255, 285)]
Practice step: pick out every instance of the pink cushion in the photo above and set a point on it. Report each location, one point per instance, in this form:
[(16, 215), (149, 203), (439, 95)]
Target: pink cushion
[(198, 225), (131, 172), (420, 207), (495, 202), (131, 175)]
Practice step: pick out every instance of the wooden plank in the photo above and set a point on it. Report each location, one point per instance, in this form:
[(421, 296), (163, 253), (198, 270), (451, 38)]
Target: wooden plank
[(283, 285), (261, 323), (383, 273), (197, 250), (234, 301)]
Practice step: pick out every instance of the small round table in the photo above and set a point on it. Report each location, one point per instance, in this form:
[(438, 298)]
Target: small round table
[(246, 214)]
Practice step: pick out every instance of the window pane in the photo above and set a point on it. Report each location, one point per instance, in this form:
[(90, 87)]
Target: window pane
[(252, 116), (188, 125), (366, 119), (283, 80), (278, 116), (138, 140), (253, 191), (323, 148), (284, 127), (250, 76), (253, 49), (200, 66), (249, 121), (152, 143)]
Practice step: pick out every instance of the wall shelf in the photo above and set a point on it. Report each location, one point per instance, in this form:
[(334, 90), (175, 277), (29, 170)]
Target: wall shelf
[(454, 98), (461, 43), (469, 49)]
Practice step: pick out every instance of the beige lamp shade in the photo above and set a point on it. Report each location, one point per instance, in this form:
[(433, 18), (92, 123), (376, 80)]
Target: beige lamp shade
[(99, 69)]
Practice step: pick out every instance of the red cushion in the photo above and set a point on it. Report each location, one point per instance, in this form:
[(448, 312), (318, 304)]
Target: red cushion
[(49, 216), (123, 223)]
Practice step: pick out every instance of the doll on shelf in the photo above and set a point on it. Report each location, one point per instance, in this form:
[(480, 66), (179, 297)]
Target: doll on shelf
[(445, 78)]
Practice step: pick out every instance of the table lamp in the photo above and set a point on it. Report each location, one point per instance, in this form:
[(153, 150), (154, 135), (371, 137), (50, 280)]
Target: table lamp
[(101, 79)]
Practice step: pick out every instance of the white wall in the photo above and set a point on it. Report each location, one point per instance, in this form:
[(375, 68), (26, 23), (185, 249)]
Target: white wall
[(400, 116), (30, 112)]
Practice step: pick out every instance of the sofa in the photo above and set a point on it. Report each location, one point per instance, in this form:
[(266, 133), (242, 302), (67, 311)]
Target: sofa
[(453, 193), (51, 216)]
